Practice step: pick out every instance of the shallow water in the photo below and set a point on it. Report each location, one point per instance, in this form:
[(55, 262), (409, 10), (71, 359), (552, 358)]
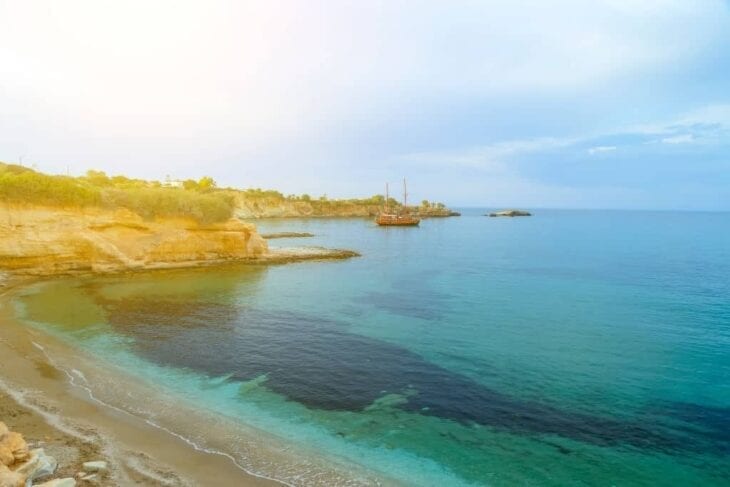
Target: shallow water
[(570, 347)]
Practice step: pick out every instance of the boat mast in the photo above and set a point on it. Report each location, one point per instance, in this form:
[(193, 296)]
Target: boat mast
[(387, 206), (405, 196)]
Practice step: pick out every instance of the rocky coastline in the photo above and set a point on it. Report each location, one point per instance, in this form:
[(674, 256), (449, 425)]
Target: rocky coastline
[(37, 445), (43, 241)]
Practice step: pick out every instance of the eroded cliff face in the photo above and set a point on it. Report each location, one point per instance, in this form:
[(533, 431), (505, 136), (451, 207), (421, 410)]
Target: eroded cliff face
[(45, 241)]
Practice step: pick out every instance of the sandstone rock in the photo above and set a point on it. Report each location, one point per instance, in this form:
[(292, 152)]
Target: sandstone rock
[(11, 479), (97, 466), (3, 429), (6, 456), (61, 240), (13, 444)]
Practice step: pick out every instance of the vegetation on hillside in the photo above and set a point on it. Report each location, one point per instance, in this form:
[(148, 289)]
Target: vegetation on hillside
[(149, 199), (272, 196), (201, 200)]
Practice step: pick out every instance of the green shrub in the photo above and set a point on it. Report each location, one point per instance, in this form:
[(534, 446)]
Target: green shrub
[(36, 188), (22, 185), (154, 202)]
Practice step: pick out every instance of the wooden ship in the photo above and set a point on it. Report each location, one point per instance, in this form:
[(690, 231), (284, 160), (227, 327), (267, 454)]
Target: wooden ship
[(399, 218)]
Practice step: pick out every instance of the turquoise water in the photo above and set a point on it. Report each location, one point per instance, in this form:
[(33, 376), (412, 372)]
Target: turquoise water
[(568, 348)]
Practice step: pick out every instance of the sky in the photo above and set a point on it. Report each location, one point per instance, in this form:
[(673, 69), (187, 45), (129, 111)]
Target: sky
[(530, 103)]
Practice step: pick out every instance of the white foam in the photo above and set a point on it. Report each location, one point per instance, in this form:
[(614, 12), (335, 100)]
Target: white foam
[(21, 397), (74, 374)]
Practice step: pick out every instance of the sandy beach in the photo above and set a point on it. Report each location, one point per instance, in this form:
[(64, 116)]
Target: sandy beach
[(38, 398), (79, 409)]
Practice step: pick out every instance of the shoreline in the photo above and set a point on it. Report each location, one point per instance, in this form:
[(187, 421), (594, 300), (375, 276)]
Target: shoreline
[(64, 387), (33, 382), (253, 219), (272, 257)]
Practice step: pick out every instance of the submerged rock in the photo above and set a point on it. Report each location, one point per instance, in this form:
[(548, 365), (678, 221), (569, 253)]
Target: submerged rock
[(269, 236)]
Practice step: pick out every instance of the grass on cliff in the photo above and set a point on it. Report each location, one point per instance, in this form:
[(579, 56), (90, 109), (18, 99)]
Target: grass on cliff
[(149, 199), (200, 200), (322, 202)]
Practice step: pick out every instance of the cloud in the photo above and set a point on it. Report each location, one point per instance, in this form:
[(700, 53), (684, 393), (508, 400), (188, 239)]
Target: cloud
[(706, 118), (282, 67), (679, 139), (710, 123), (247, 91), (488, 157), (601, 148)]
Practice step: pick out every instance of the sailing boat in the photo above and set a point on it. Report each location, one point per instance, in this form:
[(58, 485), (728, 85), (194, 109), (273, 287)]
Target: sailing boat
[(399, 218)]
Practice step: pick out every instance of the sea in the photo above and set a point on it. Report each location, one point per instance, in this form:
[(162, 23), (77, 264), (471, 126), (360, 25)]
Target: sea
[(571, 347)]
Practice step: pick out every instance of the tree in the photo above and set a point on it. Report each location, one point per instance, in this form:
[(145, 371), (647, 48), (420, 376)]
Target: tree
[(425, 203), (306, 197), (191, 185), (98, 178), (206, 183)]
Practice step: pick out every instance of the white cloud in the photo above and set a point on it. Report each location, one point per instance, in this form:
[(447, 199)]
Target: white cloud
[(601, 148), (679, 139), (498, 156), (490, 157), (151, 88), (171, 67), (717, 115)]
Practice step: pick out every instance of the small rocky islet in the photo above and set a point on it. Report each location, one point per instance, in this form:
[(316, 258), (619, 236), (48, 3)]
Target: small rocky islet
[(509, 213)]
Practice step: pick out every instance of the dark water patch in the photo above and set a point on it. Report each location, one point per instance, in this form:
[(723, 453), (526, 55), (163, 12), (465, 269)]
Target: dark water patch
[(316, 363), (424, 306), (711, 423)]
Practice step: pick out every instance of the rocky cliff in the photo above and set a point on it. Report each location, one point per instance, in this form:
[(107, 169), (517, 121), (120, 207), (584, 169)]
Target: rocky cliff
[(44, 241)]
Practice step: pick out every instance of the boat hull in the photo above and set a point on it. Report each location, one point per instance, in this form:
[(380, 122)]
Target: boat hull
[(397, 221)]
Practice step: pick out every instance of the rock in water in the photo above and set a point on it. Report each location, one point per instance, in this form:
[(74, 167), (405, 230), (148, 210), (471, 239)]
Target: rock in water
[(511, 213), (98, 466), (38, 465), (67, 482)]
